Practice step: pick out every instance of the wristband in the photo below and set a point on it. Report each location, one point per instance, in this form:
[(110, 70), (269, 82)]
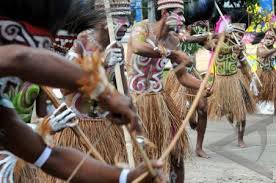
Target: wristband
[(123, 176), (43, 157), (243, 59)]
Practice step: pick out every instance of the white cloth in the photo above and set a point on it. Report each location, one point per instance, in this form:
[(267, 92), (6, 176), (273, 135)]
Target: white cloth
[(266, 108), (253, 86)]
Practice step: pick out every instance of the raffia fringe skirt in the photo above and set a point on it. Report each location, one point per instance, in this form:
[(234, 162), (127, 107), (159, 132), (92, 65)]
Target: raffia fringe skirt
[(111, 146), (177, 93), (161, 121), (230, 97), (182, 97), (268, 91)]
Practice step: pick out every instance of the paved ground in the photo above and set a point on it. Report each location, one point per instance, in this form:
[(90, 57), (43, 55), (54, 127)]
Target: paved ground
[(219, 168)]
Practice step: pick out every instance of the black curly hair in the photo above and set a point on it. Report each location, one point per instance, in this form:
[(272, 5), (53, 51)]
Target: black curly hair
[(82, 16)]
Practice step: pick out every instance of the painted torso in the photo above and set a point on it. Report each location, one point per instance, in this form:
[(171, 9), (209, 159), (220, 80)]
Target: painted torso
[(226, 63), (268, 63), (146, 74)]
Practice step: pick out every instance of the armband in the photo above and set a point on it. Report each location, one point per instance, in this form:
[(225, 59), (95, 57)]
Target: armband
[(43, 157), (123, 176)]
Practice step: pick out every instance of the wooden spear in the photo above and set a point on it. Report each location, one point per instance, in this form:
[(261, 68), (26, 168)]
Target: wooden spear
[(191, 111), (77, 130), (119, 83)]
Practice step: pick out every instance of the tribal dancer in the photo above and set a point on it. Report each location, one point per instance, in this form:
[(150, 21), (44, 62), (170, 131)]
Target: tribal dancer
[(150, 48), (93, 120), (231, 96), (267, 68), (46, 68), (182, 96)]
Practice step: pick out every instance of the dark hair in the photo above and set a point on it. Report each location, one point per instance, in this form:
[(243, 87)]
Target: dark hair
[(198, 9), (48, 14), (82, 16)]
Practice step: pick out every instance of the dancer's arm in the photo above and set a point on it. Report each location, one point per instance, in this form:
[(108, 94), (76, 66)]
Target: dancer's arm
[(200, 39), (263, 52), (39, 66), (19, 139), (187, 79), (47, 68), (140, 46)]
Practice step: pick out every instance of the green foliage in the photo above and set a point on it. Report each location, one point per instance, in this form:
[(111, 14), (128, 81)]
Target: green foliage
[(261, 20)]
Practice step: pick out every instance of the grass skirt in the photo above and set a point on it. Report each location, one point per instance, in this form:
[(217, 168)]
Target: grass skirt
[(268, 91), (178, 93), (161, 121), (111, 146), (26, 173), (182, 97), (231, 97)]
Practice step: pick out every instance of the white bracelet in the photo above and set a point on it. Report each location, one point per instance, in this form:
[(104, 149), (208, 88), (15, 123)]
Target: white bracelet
[(123, 176), (43, 157)]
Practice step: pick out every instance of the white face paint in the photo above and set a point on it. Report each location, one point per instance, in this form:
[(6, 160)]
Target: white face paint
[(121, 24), (175, 20), (269, 41)]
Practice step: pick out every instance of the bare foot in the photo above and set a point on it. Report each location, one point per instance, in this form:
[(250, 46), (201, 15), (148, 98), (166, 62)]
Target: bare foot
[(242, 144), (201, 153)]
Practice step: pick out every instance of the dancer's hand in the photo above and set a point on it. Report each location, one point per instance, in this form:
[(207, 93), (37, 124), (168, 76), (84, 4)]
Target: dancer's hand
[(229, 28), (122, 111), (114, 54), (63, 117), (141, 169), (238, 48)]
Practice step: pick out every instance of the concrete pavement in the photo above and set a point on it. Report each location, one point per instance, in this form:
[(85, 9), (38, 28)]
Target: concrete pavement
[(229, 163)]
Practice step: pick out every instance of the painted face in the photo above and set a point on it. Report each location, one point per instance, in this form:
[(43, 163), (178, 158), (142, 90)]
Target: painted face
[(269, 40), (175, 20), (120, 23)]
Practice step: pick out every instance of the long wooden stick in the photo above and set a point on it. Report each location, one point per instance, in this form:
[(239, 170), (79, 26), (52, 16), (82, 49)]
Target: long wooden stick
[(191, 111), (120, 86), (119, 74), (77, 130)]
